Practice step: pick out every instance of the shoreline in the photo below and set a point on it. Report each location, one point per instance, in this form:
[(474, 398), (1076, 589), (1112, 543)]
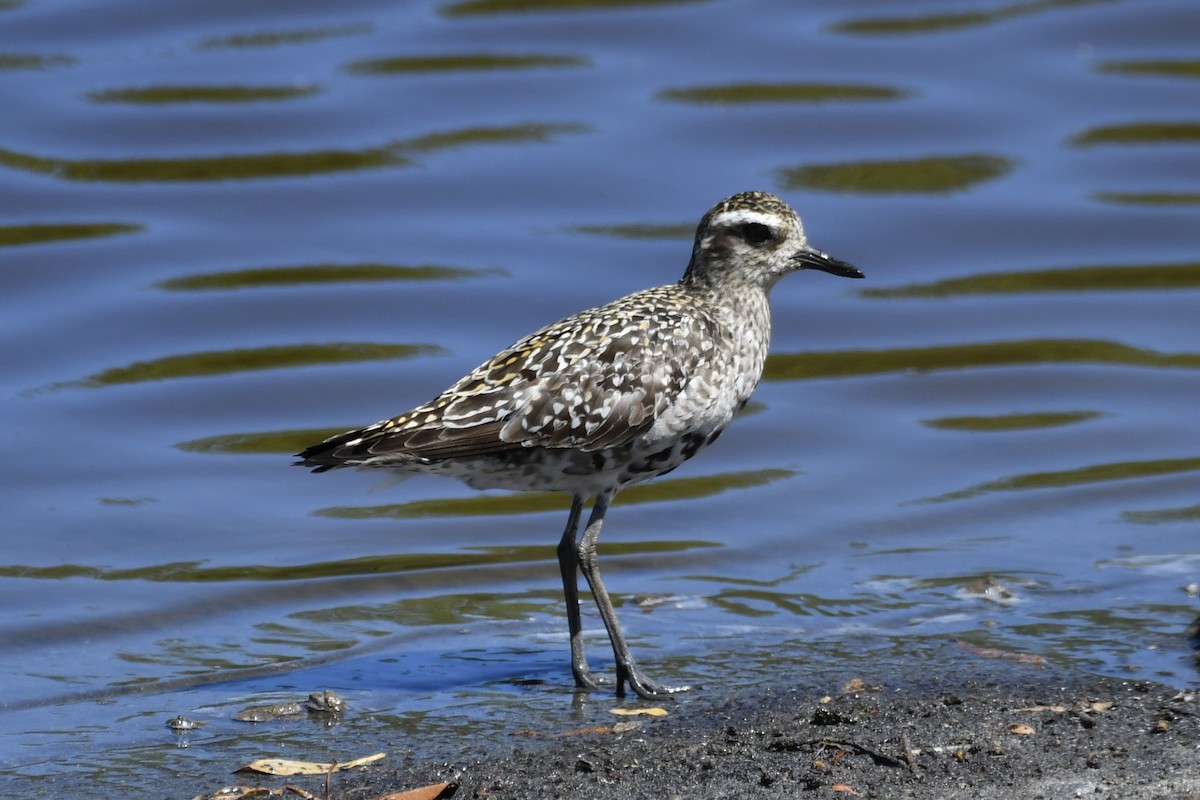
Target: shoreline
[(948, 721), (1015, 733)]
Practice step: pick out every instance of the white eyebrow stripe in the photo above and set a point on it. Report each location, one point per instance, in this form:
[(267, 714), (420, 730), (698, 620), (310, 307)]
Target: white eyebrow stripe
[(744, 215)]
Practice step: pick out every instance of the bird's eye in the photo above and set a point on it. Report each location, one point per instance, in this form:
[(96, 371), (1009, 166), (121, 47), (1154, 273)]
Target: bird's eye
[(756, 233)]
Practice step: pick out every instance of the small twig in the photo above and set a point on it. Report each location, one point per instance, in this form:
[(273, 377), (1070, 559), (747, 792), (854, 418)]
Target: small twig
[(878, 758)]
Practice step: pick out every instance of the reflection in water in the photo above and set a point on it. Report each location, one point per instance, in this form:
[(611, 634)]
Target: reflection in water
[(746, 602), (737, 93), (1163, 515), (534, 502), (1139, 133), (125, 501), (463, 61), (224, 362), (262, 649), (934, 175), (309, 274), (936, 23), (196, 572), (1150, 198), (1145, 133), (163, 95), (466, 7), (444, 609), (846, 363), (205, 168), (1169, 69), (1012, 422), (275, 38), (18, 61), (367, 566), (273, 442), (1097, 473), (638, 231), (15, 235), (532, 133), (1131, 277), (1090, 629), (766, 598), (276, 165)]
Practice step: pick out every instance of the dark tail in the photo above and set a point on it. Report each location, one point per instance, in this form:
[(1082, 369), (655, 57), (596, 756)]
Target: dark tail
[(325, 456)]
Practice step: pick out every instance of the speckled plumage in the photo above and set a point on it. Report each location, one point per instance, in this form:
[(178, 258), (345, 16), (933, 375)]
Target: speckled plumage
[(610, 396)]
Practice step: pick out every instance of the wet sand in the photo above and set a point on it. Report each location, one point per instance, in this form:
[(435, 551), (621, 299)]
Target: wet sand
[(993, 730)]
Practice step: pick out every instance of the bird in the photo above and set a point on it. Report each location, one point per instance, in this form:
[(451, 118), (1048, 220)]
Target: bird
[(608, 397)]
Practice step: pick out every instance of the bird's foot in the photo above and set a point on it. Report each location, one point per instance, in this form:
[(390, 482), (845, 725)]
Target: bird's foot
[(584, 679), (642, 686)]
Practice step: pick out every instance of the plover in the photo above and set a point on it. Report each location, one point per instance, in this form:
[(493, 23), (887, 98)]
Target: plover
[(608, 397)]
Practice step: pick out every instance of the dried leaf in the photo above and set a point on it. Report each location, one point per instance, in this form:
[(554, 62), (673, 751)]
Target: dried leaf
[(1100, 706), (633, 712), (585, 731), (434, 791), (285, 766), (1021, 729), (845, 787), (1055, 709), (362, 762)]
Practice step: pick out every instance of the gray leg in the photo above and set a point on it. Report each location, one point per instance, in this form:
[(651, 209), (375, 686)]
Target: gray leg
[(627, 668), (567, 564)]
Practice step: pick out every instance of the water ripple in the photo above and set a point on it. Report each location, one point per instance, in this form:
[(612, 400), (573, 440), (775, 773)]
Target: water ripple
[(953, 20), (932, 175), (534, 502), (1123, 277), (166, 94), (459, 62), (847, 363), (315, 274), (1081, 476), (277, 165), (251, 359), (40, 233), (743, 93)]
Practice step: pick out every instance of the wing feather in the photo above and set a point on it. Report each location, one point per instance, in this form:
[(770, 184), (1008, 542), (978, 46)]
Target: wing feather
[(593, 381)]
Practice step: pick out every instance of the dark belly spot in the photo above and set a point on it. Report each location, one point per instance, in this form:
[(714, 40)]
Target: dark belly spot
[(690, 443)]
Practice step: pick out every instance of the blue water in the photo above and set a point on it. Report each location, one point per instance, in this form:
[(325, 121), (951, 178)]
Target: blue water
[(227, 230)]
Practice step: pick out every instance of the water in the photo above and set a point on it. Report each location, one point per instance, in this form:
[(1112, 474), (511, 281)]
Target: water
[(228, 230)]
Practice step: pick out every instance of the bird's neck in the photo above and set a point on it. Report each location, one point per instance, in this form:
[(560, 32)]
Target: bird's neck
[(743, 314)]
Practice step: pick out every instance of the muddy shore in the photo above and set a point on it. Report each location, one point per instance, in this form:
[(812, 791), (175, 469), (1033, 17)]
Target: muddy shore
[(1003, 733)]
